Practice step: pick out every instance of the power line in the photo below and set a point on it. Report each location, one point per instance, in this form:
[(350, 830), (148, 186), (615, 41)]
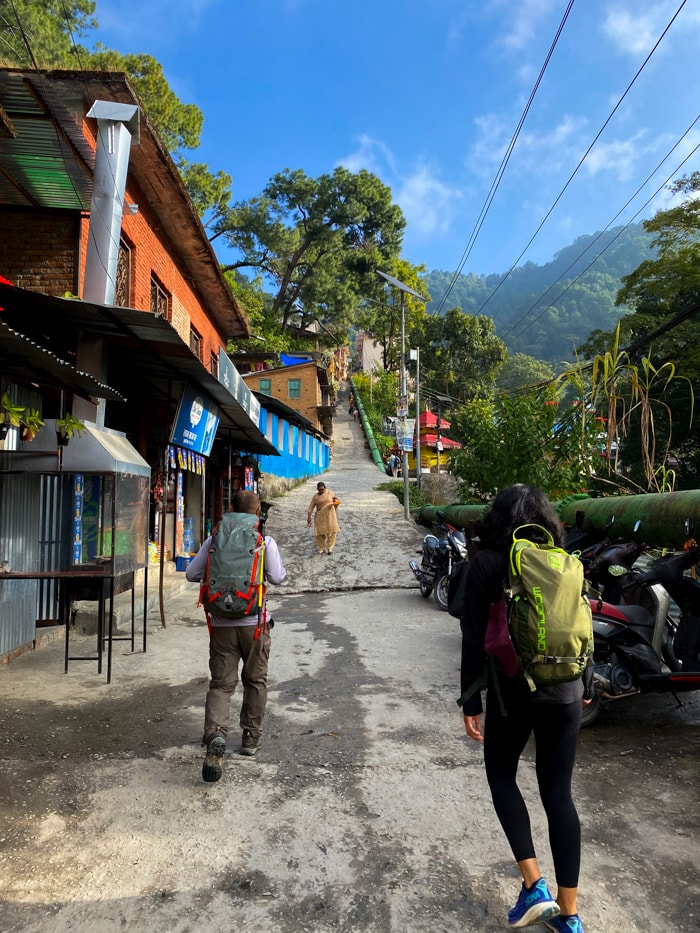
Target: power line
[(70, 33), (504, 162), (585, 155), (535, 304)]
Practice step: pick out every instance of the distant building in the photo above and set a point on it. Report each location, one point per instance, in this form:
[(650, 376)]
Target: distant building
[(368, 355), (304, 387)]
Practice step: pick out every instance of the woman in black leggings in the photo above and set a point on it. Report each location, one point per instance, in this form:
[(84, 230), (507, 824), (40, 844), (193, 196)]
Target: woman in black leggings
[(551, 714)]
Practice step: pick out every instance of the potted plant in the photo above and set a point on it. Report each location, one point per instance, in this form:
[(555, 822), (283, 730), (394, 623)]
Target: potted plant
[(68, 427), (31, 424), (10, 414), (10, 417)]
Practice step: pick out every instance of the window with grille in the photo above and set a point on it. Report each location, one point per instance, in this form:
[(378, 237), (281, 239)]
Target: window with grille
[(294, 388), (214, 366), (195, 342), (265, 386), (159, 299), (122, 288)]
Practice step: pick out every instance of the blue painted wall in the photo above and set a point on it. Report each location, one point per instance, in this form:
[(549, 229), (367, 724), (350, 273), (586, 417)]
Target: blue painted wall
[(301, 453)]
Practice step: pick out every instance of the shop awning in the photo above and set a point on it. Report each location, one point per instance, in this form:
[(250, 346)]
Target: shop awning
[(137, 340), (19, 355)]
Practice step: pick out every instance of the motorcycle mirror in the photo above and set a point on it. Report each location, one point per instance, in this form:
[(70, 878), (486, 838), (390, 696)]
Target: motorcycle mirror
[(617, 570)]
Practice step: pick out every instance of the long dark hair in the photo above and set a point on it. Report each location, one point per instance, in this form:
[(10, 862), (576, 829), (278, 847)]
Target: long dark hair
[(517, 505)]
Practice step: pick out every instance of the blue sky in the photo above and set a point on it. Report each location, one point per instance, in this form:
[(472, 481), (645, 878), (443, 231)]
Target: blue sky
[(427, 95)]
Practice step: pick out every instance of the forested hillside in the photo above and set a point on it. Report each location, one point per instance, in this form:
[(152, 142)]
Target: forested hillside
[(547, 311)]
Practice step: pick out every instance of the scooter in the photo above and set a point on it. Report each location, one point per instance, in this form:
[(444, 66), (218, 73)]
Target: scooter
[(636, 649), (438, 555)]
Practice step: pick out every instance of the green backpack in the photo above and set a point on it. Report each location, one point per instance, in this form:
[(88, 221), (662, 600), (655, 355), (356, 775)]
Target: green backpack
[(232, 576), (549, 616)]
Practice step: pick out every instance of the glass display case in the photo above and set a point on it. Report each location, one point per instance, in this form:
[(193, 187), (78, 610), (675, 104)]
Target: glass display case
[(73, 526), (109, 521)]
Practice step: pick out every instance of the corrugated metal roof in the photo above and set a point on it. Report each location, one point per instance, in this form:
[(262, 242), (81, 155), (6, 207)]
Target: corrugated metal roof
[(46, 162), (19, 354)]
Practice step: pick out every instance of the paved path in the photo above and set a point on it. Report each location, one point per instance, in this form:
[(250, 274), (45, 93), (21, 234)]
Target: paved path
[(365, 811), (375, 542)]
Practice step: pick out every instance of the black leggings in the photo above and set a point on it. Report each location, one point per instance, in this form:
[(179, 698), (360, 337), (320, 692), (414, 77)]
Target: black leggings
[(555, 728)]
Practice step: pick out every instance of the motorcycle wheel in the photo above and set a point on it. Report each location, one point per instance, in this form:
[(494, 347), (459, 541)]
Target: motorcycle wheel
[(425, 590), (592, 711), (440, 592)]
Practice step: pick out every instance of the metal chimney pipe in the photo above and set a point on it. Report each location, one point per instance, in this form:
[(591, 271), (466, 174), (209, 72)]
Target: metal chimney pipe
[(116, 124)]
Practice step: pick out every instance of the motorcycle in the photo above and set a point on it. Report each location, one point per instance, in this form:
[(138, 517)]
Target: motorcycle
[(639, 647), (439, 553)]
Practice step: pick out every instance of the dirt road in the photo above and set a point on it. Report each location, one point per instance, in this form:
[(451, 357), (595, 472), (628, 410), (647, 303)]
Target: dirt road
[(365, 810)]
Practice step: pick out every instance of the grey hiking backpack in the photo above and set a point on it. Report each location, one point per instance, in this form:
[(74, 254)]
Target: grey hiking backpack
[(230, 588)]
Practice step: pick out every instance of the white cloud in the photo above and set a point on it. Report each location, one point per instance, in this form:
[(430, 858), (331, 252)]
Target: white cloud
[(538, 152), (619, 157), (372, 155), (634, 29), (426, 202), (521, 19)]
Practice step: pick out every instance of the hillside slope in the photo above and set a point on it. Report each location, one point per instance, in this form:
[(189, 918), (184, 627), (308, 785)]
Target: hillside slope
[(547, 311)]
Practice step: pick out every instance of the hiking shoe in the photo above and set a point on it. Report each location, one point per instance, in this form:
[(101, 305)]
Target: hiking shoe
[(211, 769), (565, 924), (533, 906), (250, 743)]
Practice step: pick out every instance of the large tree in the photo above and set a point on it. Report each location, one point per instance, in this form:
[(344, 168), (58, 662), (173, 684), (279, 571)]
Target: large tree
[(460, 355), (42, 33), (520, 370), (380, 315), (318, 241)]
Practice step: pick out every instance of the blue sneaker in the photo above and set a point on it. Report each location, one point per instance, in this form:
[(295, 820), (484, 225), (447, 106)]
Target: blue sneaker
[(533, 906), (565, 924)]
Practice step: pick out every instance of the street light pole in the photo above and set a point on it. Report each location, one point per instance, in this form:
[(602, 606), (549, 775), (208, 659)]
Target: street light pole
[(403, 288), (415, 355)]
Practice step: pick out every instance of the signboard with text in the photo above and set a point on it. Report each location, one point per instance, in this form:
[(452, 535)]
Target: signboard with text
[(196, 422), (231, 379), (404, 433)]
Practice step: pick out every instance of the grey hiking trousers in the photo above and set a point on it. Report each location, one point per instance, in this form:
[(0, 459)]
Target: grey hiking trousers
[(228, 646)]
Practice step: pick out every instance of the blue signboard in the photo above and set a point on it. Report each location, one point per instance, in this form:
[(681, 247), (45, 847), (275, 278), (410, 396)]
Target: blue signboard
[(196, 422)]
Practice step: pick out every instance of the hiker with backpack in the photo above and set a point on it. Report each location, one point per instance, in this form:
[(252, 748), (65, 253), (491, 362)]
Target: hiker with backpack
[(540, 695), (233, 566)]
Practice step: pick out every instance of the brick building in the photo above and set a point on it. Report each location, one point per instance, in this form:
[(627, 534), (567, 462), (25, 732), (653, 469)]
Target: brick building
[(304, 387), (93, 207)]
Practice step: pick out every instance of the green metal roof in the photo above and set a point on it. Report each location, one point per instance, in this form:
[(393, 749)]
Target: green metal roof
[(45, 160)]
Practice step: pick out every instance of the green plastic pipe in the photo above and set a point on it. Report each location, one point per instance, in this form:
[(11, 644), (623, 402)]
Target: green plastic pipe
[(661, 516), (367, 428)]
